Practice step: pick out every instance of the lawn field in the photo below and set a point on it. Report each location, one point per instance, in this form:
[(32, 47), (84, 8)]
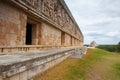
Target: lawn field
[(97, 64)]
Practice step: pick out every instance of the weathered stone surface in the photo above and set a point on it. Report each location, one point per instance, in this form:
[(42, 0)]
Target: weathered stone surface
[(30, 64), (24, 75), (16, 77), (93, 44), (79, 52), (1, 79), (67, 40), (11, 25), (46, 29), (12, 64), (50, 35), (28, 28)]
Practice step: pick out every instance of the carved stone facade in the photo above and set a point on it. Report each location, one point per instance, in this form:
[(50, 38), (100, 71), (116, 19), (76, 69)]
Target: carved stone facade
[(38, 23)]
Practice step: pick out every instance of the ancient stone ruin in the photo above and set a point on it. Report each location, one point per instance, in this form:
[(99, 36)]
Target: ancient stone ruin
[(32, 24), (34, 36), (93, 44)]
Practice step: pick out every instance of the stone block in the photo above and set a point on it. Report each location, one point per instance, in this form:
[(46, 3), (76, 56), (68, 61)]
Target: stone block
[(2, 36), (24, 75), (33, 71), (6, 79), (15, 77), (1, 79), (50, 35), (22, 69)]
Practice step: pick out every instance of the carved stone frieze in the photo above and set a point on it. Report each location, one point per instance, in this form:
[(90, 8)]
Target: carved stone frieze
[(54, 10)]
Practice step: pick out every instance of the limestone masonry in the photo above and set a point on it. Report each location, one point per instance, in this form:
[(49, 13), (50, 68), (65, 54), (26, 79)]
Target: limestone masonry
[(34, 36), (27, 24)]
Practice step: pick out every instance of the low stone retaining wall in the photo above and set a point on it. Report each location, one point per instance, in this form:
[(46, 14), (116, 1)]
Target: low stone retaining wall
[(26, 66), (79, 52), (25, 48)]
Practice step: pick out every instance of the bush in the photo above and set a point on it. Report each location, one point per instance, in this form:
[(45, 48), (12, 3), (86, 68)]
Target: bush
[(118, 48), (111, 48)]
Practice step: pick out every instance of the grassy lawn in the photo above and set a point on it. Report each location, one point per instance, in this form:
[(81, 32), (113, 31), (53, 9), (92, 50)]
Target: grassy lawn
[(97, 64)]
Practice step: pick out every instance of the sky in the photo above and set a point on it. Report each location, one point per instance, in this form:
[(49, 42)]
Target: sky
[(99, 20)]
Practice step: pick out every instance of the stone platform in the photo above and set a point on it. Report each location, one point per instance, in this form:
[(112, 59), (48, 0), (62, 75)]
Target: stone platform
[(27, 65)]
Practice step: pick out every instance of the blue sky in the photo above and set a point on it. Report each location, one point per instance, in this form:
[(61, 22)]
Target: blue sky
[(99, 20)]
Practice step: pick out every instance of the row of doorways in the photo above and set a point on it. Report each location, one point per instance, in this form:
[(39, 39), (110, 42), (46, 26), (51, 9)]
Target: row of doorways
[(30, 33)]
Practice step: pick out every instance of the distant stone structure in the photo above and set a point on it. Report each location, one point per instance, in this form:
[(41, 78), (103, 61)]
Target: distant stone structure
[(93, 44), (34, 36), (34, 24)]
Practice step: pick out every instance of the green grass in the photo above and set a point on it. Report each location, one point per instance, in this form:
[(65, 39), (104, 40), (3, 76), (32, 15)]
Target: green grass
[(79, 71), (76, 73), (116, 70)]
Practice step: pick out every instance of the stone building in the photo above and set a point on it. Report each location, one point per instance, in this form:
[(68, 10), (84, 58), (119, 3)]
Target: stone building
[(37, 24), (34, 36), (93, 44)]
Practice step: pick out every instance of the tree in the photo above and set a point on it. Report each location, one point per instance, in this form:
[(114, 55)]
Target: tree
[(118, 47), (119, 43)]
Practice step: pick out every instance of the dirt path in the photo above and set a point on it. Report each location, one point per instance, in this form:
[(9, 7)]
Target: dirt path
[(95, 65)]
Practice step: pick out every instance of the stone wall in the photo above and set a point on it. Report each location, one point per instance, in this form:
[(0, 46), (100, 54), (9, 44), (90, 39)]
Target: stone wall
[(26, 66), (29, 27), (49, 22), (12, 25), (67, 40), (50, 35)]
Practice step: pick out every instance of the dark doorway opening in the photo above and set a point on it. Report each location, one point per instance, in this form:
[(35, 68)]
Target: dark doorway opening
[(29, 34)]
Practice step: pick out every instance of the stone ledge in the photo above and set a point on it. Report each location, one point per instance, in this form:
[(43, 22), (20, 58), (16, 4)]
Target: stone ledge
[(17, 63)]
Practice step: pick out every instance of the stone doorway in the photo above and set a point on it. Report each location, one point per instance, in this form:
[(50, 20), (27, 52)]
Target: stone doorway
[(32, 31), (29, 34)]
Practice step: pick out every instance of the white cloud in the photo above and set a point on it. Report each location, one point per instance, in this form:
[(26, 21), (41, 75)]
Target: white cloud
[(113, 34)]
